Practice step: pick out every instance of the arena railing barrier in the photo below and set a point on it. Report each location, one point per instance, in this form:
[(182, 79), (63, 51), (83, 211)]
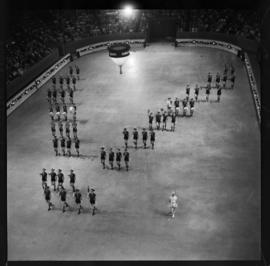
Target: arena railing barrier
[(253, 87), (232, 49), (250, 46), (209, 43), (104, 45), (29, 90)]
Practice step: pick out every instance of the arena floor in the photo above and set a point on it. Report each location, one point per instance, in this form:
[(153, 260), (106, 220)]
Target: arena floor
[(212, 160)]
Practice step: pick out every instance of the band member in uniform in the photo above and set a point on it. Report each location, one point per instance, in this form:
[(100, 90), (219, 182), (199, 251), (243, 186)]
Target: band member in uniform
[(218, 93), (71, 96), (64, 116), (75, 107), (49, 94), (173, 121), (63, 95), (150, 118), (169, 105), (74, 83), (74, 129), (217, 78), (61, 81), (158, 120), (53, 179), (70, 70), (118, 158), (47, 194), (176, 106), (161, 111), (207, 91), (135, 137), (187, 91), (126, 158), (126, 136), (184, 102), (60, 128), (152, 138), (224, 79), (144, 137), (51, 114), (60, 178), (68, 146), (103, 157), (92, 199), (72, 178), (111, 158), (57, 116), (78, 199), (232, 81), (63, 145), (196, 92), (173, 204), (209, 78), (57, 107), (54, 94), (77, 72), (64, 108), (43, 178), (55, 145), (53, 128), (164, 121), (68, 82), (77, 146), (54, 82), (67, 126), (191, 106), (63, 197)]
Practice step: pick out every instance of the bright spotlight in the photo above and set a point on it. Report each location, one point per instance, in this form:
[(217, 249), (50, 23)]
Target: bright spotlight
[(128, 10)]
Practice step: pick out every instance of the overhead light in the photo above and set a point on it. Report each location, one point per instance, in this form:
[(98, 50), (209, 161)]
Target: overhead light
[(128, 10)]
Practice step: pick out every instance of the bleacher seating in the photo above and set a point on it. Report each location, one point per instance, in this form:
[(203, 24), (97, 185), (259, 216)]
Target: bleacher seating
[(33, 36)]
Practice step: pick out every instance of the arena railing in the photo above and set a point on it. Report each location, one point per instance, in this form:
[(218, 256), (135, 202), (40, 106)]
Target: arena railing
[(245, 44)]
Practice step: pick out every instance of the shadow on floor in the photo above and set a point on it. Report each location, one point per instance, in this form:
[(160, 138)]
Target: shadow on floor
[(83, 121), (162, 213)]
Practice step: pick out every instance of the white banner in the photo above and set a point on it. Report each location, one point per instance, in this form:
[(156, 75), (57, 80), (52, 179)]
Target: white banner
[(104, 45), (23, 95), (209, 43)]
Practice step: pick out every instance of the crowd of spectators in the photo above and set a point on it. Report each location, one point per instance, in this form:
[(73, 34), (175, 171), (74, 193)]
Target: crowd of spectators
[(33, 36), (241, 23)]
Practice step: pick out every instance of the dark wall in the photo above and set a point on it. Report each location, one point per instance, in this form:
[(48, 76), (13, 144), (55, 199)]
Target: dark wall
[(161, 29), (19, 83)]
